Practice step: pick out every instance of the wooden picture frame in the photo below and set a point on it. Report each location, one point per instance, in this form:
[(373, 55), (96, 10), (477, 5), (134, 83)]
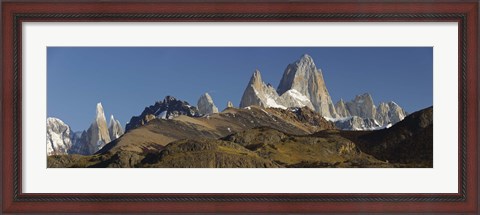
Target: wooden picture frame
[(14, 13)]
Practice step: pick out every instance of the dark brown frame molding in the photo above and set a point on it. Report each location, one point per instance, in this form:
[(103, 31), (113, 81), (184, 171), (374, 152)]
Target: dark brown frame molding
[(15, 13)]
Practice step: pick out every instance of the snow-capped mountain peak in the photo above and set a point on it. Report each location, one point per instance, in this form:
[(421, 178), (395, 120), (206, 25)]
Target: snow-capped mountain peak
[(58, 137), (100, 113), (304, 77)]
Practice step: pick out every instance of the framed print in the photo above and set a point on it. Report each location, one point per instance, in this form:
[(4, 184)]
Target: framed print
[(279, 107)]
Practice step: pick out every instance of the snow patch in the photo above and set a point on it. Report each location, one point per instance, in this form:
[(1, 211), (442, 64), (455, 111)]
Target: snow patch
[(273, 103), (297, 95), (339, 119), (162, 115)]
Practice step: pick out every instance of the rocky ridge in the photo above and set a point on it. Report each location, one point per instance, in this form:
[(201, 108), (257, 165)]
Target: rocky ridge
[(61, 140), (362, 114), (169, 108), (304, 77), (302, 85)]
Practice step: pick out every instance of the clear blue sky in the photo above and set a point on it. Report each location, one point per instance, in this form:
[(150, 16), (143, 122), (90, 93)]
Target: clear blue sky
[(127, 79)]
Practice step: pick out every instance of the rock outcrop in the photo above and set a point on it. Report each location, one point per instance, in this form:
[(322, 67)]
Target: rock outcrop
[(205, 105), (229, 104), (169, 108), (208, 153), (115, 128)]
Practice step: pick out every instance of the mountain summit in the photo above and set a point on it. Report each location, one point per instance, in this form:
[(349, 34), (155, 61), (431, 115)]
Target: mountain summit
[(96, 136), (362, 114), (205, 105), (114, 128), (62, 140), (58, 137), (302, 85), (169, 108), (304, 77), (260, 94)]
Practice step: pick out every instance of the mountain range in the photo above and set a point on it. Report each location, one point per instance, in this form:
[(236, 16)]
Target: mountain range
[(62, 140), (293, 125), (302, 85)]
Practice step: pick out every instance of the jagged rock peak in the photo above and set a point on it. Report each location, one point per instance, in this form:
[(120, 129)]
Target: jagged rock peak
[(385, 115), (100, 114), (304, 77), (58, 137), (205, 105), (390, 113), (98, 132), (101, 123), (168, 108), (256, 76), (341, 109), (306, 60), (94, 138), (115, 128), (259, 94), (256, 80), (229, 104), (168, 99), (362, 106)]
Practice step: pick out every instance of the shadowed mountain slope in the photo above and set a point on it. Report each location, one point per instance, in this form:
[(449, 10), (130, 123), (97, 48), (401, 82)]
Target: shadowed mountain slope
[(409, 141)]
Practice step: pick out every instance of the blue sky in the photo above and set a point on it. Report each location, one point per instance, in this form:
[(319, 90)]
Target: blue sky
[(127, 79)]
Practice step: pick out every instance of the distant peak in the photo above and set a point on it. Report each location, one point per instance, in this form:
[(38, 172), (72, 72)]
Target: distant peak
[(392, 103), (54, 120), (112, 120), (306, 56), (305, 59), (169, 98), (256, 72), (256, 77), (100, 109), (364, 95), (207, 95)]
